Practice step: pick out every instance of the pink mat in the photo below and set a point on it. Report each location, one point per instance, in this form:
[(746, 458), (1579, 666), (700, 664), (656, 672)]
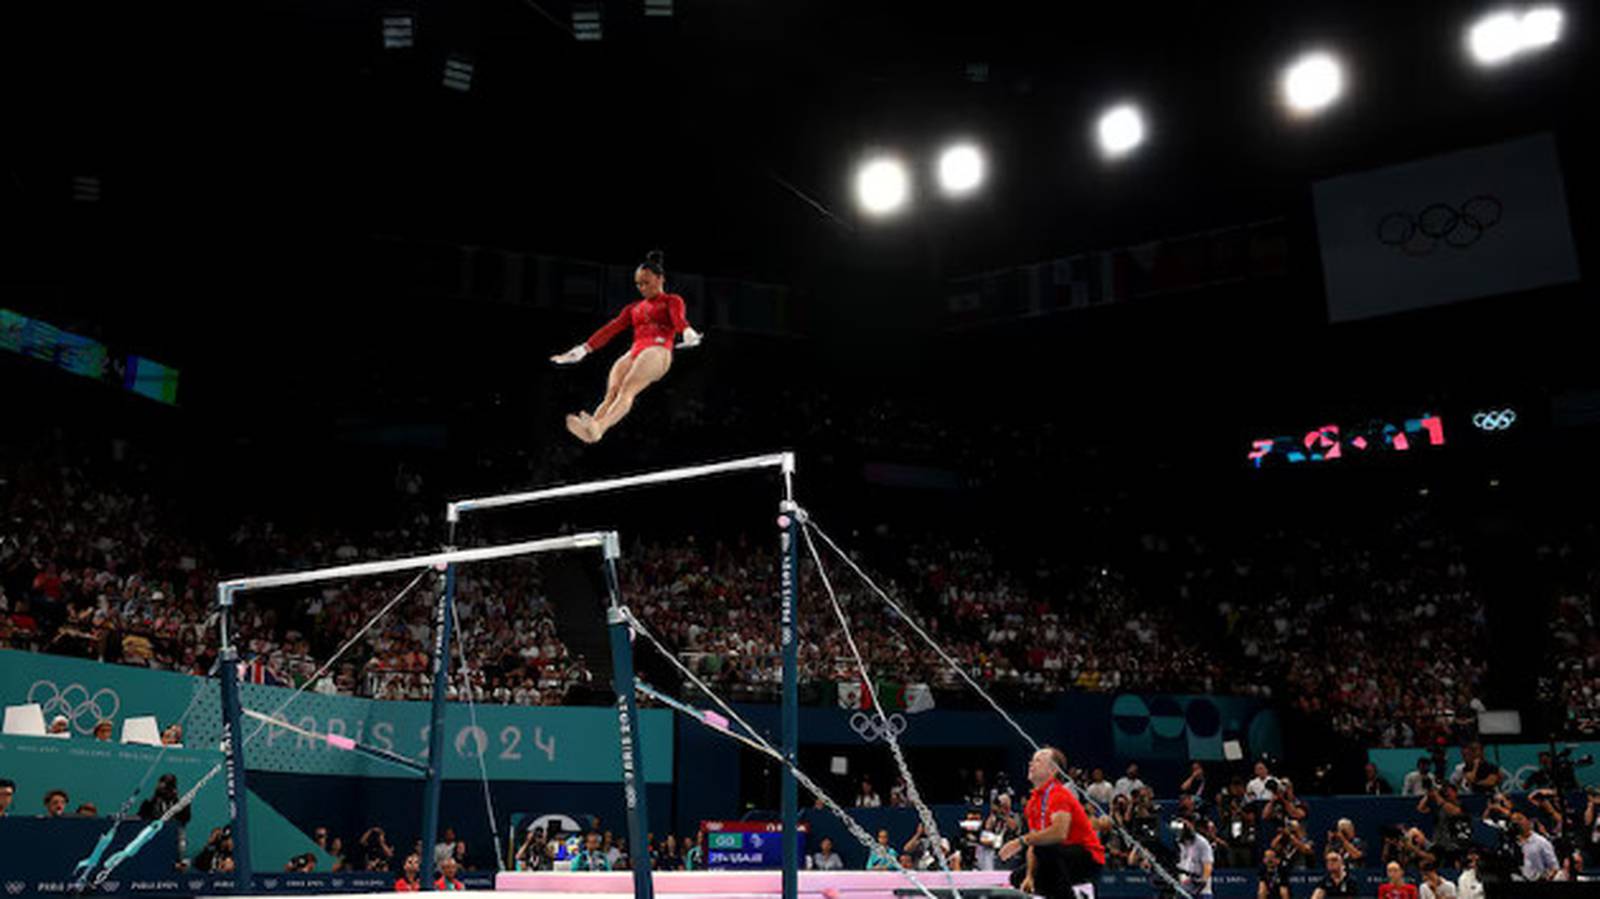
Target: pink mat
[(730, 884)]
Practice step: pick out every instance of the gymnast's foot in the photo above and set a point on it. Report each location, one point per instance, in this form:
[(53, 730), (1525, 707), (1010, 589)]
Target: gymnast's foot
[(582, 427)]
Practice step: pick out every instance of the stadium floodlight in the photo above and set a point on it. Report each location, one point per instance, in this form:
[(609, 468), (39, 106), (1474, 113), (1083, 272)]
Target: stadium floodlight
[(1504, 35), (883, 185), (961, 169), (86, 188), (458, 73), (1312, 83), (399, 29), (1121, 129), (586, 22)]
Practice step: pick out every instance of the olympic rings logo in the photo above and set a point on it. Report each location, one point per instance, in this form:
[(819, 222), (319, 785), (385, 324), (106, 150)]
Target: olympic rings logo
[(1495, 419), (1421, 234), (77, 703), (872, 728)]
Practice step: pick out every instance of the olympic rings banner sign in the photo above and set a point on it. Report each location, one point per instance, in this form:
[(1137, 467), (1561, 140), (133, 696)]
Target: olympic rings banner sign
[(569, 745), (1474, 223)]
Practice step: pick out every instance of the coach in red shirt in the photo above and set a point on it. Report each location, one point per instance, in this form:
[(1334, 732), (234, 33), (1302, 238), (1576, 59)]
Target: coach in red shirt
[(1063, 848)]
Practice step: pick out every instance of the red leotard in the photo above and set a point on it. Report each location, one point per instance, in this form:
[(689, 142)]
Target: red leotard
[(656, 322)]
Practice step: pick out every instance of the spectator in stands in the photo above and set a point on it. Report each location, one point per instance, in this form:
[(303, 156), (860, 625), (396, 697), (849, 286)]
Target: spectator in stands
[(1538, 855), (410, 880), (883, 855), (103, 730), (1435, 886), (1418, 781), (60, 725), (672, 857), (173, 736), (447, 876), (1395, 886), (55, 803), (1129, 783), (8, 791), (1256, 790), (592, 857), (1195, 860), (1337, 882), (446, 847), (376, 851), (87, 810), (867, 797), (531, 854), (1099, 789), (1375, 785), (694, 858), (824, 859), (1476, 774), (1343, 840), (1195, 784), (898, 796), (1469, 885), (1272, 881)]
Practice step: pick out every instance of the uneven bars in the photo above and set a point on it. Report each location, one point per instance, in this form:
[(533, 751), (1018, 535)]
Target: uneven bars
[(785, 461), (605, 539)]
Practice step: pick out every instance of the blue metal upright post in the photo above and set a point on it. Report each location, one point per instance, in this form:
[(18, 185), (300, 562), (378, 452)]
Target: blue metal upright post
[(233, 744), (632, 738), (443, 619), (789, 533)]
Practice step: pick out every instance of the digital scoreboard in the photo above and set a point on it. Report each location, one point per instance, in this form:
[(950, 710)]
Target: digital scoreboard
[(732, 845)]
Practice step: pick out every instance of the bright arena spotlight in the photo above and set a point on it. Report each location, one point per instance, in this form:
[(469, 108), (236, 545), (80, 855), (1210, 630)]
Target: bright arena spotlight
[(961, 169), (883, 185), (1502, 36), (1121, 130), (1312, 83)]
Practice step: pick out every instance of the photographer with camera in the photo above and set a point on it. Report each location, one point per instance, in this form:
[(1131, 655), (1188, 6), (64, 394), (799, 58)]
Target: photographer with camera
[(1272, 881), (920, 851), (1283, 804), (162, 800), (1001, 826), (1292, 846), (1343, 840), (1452, 828)]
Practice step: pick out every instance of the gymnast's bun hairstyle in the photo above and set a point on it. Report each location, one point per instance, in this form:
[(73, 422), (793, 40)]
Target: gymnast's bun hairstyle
[(655, 261)]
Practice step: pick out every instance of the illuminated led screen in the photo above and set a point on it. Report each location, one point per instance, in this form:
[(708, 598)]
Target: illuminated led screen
[(86, 358)]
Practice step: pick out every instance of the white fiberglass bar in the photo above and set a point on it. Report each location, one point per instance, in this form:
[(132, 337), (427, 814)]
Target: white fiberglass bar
[(606, 539), (784, 461)]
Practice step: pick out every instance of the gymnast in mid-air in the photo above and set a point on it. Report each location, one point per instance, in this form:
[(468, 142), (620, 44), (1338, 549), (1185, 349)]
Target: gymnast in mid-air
[(657, 320)]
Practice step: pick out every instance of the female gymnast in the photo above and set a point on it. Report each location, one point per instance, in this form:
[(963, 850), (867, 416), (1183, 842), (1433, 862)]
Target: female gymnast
[(657, 320)]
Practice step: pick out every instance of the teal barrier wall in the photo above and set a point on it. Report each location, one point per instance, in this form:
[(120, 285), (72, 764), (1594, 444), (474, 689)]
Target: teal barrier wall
[(570, 745), (1518, 759), (105, 774)]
